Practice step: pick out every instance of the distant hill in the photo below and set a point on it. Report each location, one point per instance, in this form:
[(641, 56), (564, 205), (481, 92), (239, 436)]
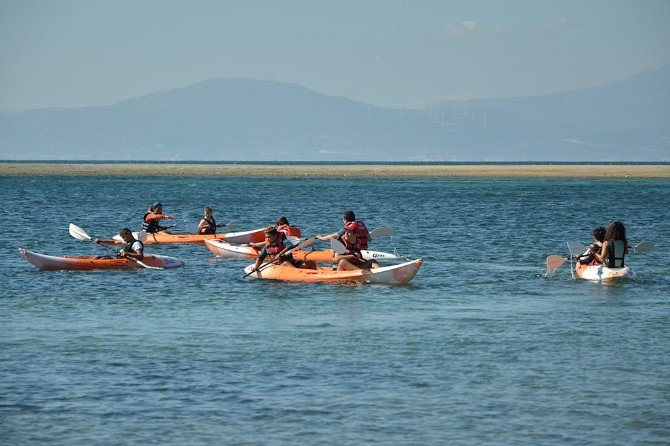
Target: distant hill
[(242, 119)]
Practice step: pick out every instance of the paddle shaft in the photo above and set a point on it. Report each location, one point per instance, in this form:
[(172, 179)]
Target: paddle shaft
[(307, 242)]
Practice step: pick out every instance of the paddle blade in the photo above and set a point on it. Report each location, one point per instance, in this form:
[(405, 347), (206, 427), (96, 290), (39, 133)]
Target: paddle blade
[(576, 248), (231, 223), (142, 236), (78, 233), (294, 240), (382, 232), (643, 247), (337, 246), (306, 243), (554, 261)]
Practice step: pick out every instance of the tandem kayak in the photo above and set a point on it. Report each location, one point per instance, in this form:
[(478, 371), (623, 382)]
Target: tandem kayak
[(164, 237), (600, 272), (399, 274), (234, 251), (87, 263)]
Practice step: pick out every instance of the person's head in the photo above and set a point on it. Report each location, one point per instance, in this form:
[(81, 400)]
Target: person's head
[(349, 216), (208, 212), (156, 207), (599, 234), (282, 221), (271, 233), (126, 234), (616, 231)]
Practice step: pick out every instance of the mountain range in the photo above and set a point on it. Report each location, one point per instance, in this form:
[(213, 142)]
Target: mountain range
[(251, 120)]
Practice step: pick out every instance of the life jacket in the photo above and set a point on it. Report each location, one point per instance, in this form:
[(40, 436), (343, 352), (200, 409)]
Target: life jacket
[(276, 247), (128, 247), (361, 231), (150, 226), (353, 250), (589, 258), (615, 253), (210, 228), (290, 230)]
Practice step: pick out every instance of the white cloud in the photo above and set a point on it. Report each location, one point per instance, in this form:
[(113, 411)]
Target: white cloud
[(456, 30)]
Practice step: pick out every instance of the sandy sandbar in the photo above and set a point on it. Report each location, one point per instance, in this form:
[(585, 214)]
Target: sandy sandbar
[(339, 171)]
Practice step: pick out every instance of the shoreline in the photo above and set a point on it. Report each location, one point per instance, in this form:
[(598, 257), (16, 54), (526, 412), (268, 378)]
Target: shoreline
[(338, 170)]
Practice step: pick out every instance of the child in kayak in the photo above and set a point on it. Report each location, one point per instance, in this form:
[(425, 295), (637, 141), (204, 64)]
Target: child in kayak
[(276, 246), (284, 226), (589, 256), (361, 232), (208, 225), (132, 248), (153, 215), (352, 259)]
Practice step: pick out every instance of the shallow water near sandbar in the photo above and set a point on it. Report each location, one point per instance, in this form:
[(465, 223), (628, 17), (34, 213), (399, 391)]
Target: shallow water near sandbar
[(480, 348)]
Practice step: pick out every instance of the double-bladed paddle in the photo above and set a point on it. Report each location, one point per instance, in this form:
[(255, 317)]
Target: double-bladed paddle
[(80, 234)]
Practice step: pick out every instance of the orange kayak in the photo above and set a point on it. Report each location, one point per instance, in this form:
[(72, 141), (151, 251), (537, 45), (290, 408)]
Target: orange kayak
[(164, 237), (88, 263), (399, 274)]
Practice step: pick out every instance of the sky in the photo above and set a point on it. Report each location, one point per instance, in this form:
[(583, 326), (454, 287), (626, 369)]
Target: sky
[(75, 53)]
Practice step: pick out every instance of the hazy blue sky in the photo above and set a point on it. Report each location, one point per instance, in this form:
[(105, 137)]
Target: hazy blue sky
[(391, 53)]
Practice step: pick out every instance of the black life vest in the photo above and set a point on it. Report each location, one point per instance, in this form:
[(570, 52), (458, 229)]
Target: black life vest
[(128, 247), (615, 253), (211, 226), (150, 226)]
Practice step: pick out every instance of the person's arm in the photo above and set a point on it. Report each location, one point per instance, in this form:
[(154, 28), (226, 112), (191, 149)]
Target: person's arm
[(602, 255), (158, 217), (339, 233), (261, 256)]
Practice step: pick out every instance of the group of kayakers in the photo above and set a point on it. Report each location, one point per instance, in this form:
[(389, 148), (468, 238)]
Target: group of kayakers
[(353, 235), (609, 247)]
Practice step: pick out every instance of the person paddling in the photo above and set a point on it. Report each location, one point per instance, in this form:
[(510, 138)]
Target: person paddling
[(352, 259), (132, 248), (589, 256), (207, 225), (284, 226), (276, 246), (153, 215), (363, 236), (615, 248)]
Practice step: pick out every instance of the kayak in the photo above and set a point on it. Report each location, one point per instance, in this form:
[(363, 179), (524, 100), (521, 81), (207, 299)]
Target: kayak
[(87, 263), (235, 251), (164, 237), (399, 274), (600, 272)]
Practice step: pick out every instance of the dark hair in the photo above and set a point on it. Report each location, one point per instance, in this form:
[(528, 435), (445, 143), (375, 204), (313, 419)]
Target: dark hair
[(125, 231), (208, 209), (349, 216), (599, 233), (271, 230), (282, 221), (616, 231), (152, 207)]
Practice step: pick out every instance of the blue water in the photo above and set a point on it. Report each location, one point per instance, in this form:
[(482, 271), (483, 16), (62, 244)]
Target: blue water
[(480, 348)]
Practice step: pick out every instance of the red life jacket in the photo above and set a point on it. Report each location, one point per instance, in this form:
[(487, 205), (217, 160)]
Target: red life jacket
[(361, 231), (276, 247), (289, 230)]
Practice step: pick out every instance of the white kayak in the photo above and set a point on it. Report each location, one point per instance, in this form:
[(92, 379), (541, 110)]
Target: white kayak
[(224, 249), (600, 272)]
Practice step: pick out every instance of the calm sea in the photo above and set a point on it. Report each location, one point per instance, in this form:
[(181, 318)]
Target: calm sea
[(479, 349)]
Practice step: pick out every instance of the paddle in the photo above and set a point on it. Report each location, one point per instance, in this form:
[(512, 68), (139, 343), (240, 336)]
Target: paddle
[(80, 234), (382, 232), (642, 247), (337, 246), (192, 228), (304, 244)]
